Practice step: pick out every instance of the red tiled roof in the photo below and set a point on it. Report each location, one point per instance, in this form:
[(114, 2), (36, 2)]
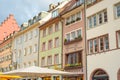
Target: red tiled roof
[(8, 26)]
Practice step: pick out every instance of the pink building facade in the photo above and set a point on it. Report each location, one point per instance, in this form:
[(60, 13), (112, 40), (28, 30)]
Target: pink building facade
[(73, 41)]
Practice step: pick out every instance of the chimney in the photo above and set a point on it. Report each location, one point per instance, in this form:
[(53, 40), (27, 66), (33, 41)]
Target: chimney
[(51, 6)]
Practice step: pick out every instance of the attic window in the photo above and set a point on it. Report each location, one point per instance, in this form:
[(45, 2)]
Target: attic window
[(55, 13)]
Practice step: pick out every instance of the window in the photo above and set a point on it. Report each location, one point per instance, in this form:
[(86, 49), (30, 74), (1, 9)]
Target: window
[(118, 39), (29, 64), (73, 58), (98, 44), (43, 46), (30, 49), (73, 18), (43, 61), (68, 37), (49, 60), (50, 44), (35, 48), (68, 21), (100, 18), (25, 51), (106, 42), (50, 30), (95, 45), (25, 37), (105, 16), (73, 35), (19, 53), (78, 32), (44, 32), (78, 16), (94, 20), (97, 19), (35, 63), (25, 65), (90, 22), (57, 42), (35, 32), (56, 27), (90, 46), (117, 10), (101, 43), (30, 35), (56, 59), (54, 13)]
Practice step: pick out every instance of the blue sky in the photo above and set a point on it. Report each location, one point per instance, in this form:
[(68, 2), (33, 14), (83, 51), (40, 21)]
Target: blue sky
[(23, 10)]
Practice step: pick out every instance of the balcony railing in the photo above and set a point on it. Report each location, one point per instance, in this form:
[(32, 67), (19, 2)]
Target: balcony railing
[(79, 38)]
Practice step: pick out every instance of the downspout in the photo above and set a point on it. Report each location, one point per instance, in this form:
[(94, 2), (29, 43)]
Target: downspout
[(38, 46), (85, 37)]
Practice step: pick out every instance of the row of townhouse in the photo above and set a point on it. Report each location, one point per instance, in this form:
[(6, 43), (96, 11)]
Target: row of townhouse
[(84, 39)]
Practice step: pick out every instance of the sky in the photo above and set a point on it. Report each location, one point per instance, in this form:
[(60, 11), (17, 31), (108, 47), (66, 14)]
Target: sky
[(23, 10)]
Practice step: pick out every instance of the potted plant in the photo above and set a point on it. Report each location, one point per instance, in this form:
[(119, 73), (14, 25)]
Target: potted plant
[(65, 40), (80, 37)]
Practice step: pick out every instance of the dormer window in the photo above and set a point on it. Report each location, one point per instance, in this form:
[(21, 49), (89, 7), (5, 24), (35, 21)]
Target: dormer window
[(55, 13)]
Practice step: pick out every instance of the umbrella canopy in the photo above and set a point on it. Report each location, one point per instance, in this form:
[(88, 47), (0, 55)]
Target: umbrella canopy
[(37, 72), (6, 77)]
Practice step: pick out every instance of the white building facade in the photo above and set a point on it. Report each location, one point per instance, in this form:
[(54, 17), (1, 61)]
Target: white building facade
[(103, 39), (25, 43)]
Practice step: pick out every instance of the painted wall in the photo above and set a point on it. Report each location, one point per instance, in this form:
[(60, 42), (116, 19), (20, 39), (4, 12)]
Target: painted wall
[(108, 61), (54, 50)]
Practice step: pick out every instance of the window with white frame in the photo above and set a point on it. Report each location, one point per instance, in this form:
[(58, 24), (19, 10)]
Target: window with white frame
[(43, 46), (43, 61), (68, 37), (30, 49), (90, 22), (73, 18), (25, 37), (49, 60), (97, 19), (56, 27), (118, 39), (95, 46), (50, 30), (44, 32), (79, 33), (29, 64), (117, 10), (35, 63), (98, 44), (57, 42), (90, 46), (55, 13), (25, 51), (35, 48), (56, 59), (73, 35), (19, 53), (78, 15), (30, 35), (35, 32), (50, 44)]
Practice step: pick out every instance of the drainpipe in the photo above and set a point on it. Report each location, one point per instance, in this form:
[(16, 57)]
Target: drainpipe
[(85, 38), (38, 46)]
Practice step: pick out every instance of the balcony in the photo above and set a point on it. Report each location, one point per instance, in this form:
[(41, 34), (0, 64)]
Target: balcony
[(77, 39)]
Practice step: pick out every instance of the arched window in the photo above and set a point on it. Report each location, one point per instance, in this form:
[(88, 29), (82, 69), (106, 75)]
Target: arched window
[(100, 75), (118, 74)]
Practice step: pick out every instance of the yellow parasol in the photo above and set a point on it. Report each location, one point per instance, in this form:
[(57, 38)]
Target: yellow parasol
[(6, 77)]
